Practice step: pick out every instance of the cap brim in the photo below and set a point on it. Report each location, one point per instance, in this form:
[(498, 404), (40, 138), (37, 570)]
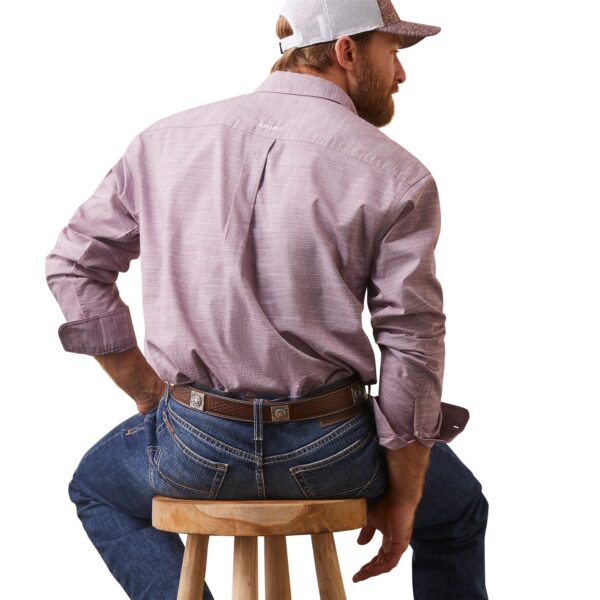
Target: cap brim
[(411, 32)]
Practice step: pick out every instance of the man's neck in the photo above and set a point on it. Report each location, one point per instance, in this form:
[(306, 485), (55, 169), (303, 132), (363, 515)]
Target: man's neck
[(335, 76)]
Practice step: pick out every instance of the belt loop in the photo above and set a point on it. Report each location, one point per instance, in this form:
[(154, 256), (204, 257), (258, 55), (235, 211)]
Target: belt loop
[(258, 418)]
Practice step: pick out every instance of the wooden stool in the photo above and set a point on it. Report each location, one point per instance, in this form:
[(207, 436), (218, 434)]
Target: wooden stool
[(246, 520)]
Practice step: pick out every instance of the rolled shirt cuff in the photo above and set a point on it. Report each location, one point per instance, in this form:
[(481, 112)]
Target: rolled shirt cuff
[(453, 418), (101, 334)]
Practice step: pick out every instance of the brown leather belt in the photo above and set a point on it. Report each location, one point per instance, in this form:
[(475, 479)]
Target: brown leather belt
[(348, 399)]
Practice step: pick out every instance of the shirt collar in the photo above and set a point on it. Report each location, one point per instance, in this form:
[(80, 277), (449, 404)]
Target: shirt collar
[(304, 84)]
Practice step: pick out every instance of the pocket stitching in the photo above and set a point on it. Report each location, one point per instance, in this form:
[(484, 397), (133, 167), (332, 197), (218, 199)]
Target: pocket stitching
[(211, 464), (334, 457), (318, 443), (220, 471), (298, 471), (209, 439), (154, 455), (377, 474), (214, 488)]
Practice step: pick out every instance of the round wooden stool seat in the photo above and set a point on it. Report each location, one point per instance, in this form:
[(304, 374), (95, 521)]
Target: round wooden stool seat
[(248, 519)]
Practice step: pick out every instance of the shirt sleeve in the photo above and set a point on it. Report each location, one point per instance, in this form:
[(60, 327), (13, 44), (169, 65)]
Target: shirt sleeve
[(98, 242), (405, 300)]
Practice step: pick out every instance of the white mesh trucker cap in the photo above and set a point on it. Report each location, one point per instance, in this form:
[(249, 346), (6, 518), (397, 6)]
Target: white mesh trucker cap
[(317, 21)]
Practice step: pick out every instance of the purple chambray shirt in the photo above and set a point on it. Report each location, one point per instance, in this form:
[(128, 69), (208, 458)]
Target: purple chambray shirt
[(261, 222)]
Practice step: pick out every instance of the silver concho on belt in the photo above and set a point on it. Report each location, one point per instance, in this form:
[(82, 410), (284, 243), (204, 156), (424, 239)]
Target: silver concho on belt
[(280, 413), (197, 400), (359, 393)]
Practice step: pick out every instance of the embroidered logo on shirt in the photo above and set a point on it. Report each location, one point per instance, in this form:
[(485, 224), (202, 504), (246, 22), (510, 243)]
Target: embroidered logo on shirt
[(269, 126)]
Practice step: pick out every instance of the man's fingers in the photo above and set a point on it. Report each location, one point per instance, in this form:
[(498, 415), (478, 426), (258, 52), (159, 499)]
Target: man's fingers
[(366, 534), (373, 570), (382, 563), (363, 572)]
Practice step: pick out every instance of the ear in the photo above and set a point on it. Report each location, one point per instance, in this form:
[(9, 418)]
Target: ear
[(346, 53)]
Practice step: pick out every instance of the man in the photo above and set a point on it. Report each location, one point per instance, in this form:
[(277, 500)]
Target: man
[(262, 221)]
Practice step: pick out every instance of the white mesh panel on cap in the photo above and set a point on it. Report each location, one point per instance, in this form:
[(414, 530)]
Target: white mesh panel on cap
[(308, 22), (359, 16), (315, 21)]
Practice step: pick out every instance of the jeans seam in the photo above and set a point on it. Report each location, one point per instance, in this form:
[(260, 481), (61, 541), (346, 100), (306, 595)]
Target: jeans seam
[(154, 453), (99, 446), (377, 474), (132, 430)]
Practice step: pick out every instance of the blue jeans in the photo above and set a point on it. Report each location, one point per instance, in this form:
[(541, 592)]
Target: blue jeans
[(178, 451)]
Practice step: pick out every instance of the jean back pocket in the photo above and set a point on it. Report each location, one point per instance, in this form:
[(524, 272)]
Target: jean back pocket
[(182, 471), (357, 470)]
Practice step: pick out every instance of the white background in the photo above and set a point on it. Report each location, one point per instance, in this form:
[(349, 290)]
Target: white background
[(502, 106)]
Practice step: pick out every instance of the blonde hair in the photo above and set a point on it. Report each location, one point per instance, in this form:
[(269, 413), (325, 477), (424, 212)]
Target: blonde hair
[(318, 56)]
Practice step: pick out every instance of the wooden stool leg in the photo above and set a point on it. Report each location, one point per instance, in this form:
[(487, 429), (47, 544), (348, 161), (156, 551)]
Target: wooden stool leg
[(191, 581), (245, 567), (277, 574), (329, 576)]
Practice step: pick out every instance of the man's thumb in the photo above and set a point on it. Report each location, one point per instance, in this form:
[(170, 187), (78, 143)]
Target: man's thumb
[(366, 534)]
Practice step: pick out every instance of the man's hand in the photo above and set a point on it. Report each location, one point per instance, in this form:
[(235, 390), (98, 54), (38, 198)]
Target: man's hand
[(146, 407), (394, 513), (395, 521), (132, 373)]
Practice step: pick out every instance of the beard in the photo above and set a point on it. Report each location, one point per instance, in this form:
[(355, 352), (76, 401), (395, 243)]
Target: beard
[(372, 95)]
